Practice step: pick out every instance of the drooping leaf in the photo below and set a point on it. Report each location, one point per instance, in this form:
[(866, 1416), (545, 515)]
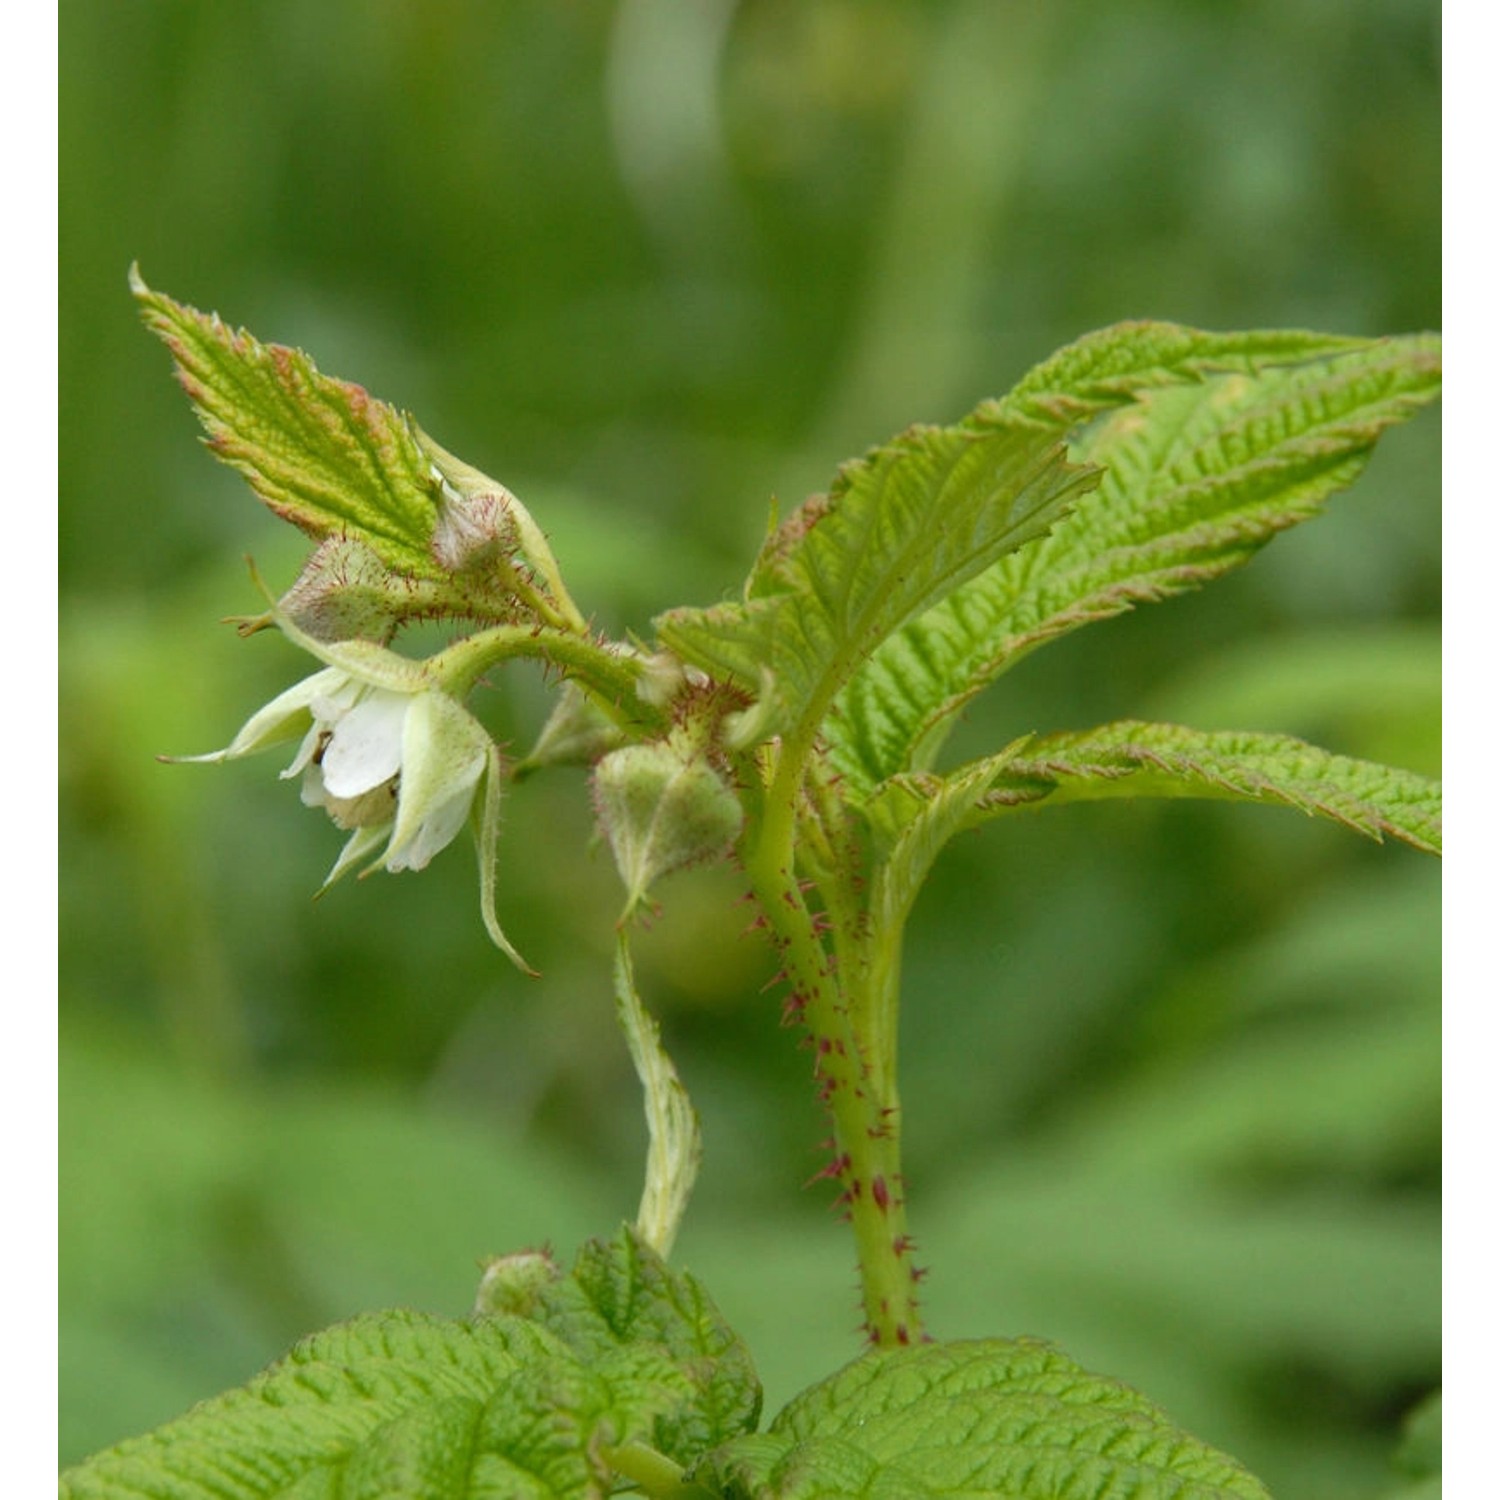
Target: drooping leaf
[(1134, 759), (1211, 445), (322, 453), (899, 529), (989, 1419), (622, 1350)]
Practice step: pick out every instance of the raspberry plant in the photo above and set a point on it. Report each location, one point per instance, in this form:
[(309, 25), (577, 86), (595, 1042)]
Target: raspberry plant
[(798, 731)]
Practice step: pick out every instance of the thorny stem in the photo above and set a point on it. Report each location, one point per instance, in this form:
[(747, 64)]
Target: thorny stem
[(609, 676), (848, 1007)]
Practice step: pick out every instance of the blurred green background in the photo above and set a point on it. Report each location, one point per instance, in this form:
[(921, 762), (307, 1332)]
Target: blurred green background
[(1170, 1071)]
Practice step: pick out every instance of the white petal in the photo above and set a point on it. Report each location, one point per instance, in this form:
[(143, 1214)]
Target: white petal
[(302, 761), (365, 745), (314, 793)]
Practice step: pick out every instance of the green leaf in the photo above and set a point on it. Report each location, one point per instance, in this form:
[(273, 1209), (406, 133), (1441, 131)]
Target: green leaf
[(322, 453), (620, 1351), (620, 1293), (1114, 366), (1134, 759), (1211, 445), (913, 828), (899, 529), (1009, 1419)]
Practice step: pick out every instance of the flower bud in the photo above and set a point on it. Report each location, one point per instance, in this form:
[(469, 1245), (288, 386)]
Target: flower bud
[(663, 806), (513, 1284)]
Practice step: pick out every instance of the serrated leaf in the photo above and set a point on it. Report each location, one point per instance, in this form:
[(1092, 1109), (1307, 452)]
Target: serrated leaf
[(1113, 366), (620, 1293), (322, 453), (1134, 759), (1211, 445), (1008, 1419), (899, 529), (914, 827), (622, 1350)]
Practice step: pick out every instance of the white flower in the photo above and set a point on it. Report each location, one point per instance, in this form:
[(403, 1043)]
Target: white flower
[(382, 762), (392, 766), (391, 756)]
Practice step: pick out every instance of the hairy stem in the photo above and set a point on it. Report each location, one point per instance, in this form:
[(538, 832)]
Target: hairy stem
[(848, 1007)]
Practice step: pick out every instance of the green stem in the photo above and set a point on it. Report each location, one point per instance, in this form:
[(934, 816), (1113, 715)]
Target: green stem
[(849, 1008), (653, 1473), (610, 676)]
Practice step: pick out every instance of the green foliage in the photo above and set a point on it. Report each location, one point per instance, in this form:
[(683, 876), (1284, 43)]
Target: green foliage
[(1209, 445), (652, 263), (1420, 1457), (966, 547), (320, 452), (618, 1351), (897, 532), (1133, 759), (1010, 1419)]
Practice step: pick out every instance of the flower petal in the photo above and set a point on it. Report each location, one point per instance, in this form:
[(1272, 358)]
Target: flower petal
[(364, 747)]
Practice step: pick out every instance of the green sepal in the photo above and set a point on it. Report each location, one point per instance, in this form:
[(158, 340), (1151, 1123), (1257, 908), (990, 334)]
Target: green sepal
[(663, 806)]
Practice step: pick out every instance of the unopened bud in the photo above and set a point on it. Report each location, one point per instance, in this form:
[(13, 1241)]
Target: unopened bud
[(663, 806), (513, 1284)]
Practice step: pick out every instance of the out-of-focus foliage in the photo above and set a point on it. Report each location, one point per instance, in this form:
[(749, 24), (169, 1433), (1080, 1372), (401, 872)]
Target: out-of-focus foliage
[(1170, 1070)]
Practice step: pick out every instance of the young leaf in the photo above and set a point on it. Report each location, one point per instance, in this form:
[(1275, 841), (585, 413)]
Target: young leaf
[(899, 529), (987, 1419), (1134, 759), (322, 453), (622, 1351), (1211, 444), (621, 1293)]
